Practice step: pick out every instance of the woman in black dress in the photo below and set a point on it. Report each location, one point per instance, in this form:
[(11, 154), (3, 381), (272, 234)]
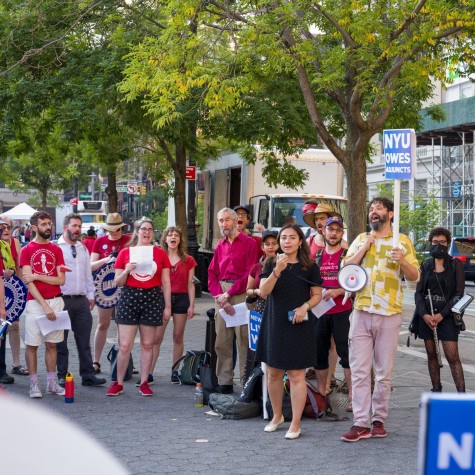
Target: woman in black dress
[(444, 277), (287, 342)]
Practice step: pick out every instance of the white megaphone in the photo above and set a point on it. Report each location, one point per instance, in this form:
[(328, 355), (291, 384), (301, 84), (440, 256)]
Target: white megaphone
[(351, 278)]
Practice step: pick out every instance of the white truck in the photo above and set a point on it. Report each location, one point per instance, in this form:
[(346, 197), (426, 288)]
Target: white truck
[(93, 213), (229, 182)]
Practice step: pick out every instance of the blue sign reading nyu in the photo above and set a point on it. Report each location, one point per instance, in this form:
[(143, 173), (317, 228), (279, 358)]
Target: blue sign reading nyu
[(399, 153), (447, 434)]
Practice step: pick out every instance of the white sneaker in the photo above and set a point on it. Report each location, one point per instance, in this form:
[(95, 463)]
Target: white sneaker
[(52, 387), (35, 391)]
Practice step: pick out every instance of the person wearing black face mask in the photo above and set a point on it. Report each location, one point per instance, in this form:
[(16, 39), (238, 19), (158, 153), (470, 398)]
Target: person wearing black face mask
[(444, 277)]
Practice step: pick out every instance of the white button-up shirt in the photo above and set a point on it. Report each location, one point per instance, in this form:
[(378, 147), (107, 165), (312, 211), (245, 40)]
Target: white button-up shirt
[(79, 281)]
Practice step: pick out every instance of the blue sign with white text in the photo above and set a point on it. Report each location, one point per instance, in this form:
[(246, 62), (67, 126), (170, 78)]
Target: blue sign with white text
[(254, 327), (399, 153), (448, 435)]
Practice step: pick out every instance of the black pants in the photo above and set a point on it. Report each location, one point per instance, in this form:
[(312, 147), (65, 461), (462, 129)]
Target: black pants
[(3, 344), (338, 325), (81, 325)]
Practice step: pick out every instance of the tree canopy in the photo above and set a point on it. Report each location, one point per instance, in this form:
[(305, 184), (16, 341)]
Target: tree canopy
[(359, 66)]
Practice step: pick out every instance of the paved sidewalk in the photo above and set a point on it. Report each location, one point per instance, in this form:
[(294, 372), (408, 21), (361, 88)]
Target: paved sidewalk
[(167, 434)]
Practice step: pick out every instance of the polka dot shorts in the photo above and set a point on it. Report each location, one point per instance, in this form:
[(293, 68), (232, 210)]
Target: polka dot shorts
[(140, 307)]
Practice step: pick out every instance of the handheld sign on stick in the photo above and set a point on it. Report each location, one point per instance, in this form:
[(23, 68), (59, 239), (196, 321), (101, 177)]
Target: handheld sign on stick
[(400, 159)]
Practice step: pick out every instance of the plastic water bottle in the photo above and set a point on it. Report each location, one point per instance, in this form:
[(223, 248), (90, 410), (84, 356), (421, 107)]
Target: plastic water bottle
[(69, 388), (198, 395)]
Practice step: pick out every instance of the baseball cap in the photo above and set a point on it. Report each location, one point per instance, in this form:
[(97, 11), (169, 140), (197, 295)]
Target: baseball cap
[(245, 208), (268, 233), (334, 220)]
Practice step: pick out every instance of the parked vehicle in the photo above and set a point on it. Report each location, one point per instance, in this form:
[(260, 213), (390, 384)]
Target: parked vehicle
[(93, 213), (229, 181), (464, 249)]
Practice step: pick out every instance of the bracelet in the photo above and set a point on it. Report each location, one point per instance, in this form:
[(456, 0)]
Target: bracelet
[(275, 274), (308, 303)]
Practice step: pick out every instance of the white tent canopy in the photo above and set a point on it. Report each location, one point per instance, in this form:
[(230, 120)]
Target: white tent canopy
[(21, 211)]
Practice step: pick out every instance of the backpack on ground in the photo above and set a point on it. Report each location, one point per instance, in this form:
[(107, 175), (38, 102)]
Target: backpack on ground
[(188, 366), (230, 407)]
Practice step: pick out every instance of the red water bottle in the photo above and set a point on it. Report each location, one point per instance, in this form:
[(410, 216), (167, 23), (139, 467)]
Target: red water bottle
[(69, 388)]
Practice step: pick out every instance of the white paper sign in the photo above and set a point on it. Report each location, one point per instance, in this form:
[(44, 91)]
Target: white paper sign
[(238, 319), (62, 322), (142, 256), (323, 307)]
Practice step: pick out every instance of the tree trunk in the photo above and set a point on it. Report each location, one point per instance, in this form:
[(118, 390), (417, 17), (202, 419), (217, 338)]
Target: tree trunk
[(180, 203), (356, 179), (111, 189), (44, 198)]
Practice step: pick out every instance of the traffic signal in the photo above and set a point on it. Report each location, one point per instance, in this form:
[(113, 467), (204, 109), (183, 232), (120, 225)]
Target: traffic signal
[(143, 190)]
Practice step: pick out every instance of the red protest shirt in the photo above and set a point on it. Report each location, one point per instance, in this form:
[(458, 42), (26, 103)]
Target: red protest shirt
[(329, 268), (314, 247), (105, 246), (179, 274), (43, 260), (13, 248), (89, 243), (140, 281)]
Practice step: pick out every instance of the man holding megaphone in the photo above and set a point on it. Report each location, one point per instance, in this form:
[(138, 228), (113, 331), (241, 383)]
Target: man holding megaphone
[(377, 317)]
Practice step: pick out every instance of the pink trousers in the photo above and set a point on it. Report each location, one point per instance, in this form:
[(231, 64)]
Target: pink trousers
[(373, 338)]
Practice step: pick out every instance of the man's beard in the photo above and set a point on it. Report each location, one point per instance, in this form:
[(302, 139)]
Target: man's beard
[(44, 234), (227, 232), (71, 236), (377, 225), (327, 241)]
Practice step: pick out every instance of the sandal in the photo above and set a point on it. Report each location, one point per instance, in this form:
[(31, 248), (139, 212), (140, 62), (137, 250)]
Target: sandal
[(21, 370), (96, 367)]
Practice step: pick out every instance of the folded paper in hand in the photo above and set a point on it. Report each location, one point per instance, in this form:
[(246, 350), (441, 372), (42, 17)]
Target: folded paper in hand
[(323, 307), (239, 318), (62, 322)]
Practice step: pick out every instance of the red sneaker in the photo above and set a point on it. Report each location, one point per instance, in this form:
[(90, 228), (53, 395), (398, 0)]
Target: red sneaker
[(378, 430), (145, 389), (115, 389), (356, 433)]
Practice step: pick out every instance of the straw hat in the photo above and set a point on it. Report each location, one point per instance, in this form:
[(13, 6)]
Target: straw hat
[(309, 218), (113, 222)]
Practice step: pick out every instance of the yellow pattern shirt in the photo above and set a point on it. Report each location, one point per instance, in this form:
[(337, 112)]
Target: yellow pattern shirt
[(383, 291)]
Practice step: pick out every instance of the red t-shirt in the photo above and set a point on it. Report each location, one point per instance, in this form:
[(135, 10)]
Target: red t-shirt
[(255, 273), (329, 272), (89, 243), (43, 260), (179, 275), (105, 246), (160, 262), (314, 247), (13, 248)]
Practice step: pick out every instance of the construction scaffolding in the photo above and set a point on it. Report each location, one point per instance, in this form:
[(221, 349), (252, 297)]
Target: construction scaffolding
[(446, 169)]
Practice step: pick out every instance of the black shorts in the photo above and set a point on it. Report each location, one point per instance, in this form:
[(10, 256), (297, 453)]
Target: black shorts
[(338, 325), (140, 307), (180, 303), (446, 330)]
